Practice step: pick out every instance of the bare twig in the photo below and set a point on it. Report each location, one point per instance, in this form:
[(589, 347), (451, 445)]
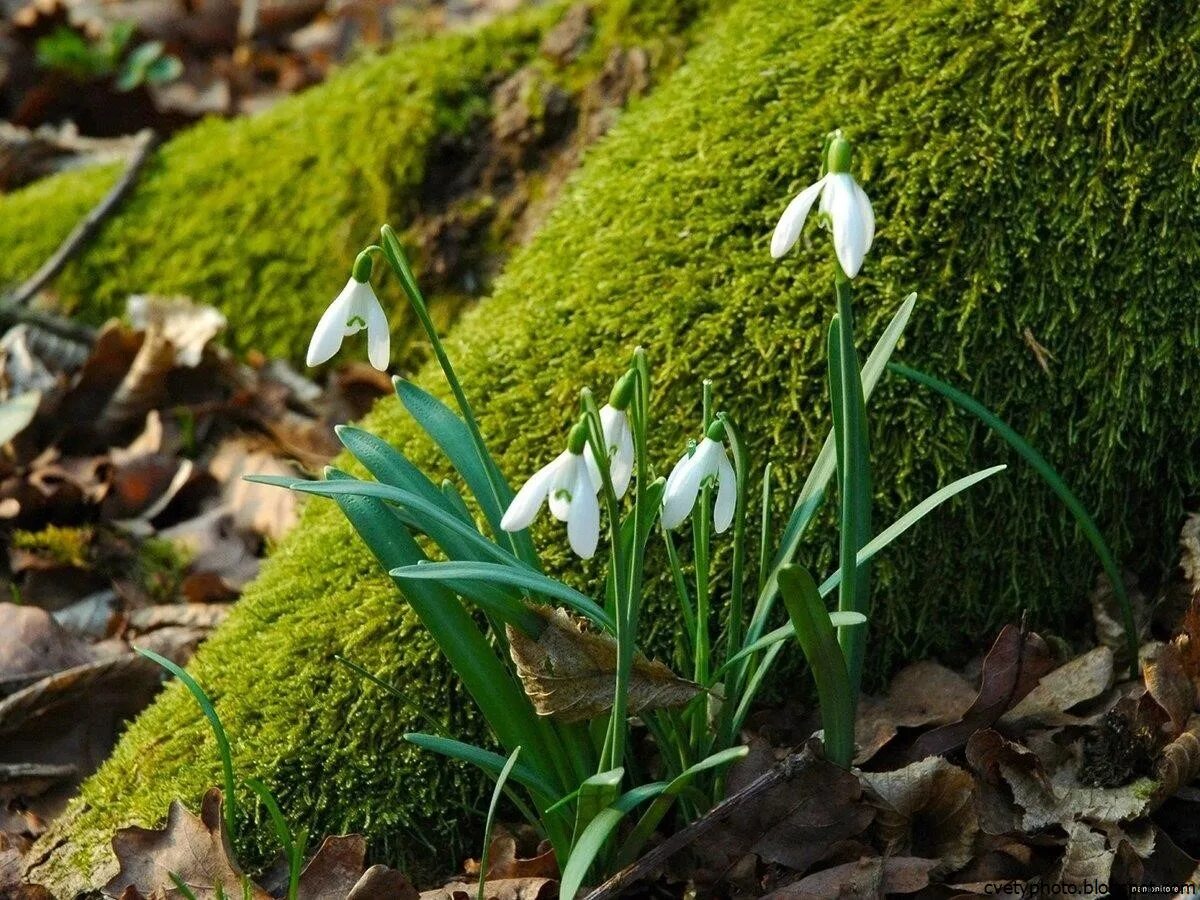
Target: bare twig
[(55, 325), (82, 232), (786, 770)]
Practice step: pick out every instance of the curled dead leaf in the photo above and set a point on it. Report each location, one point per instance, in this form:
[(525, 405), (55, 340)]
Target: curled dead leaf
[(568, 672), (1087, 860), (1168, 683), (926, 809), (1083, 678), (1011, 669), (1179, 764), (924, 693)]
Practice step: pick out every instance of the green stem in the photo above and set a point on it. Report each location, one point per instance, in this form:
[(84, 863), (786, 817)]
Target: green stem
[(855, 482)]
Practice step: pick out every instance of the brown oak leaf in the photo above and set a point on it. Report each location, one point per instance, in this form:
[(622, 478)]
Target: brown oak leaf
[(568, 672)]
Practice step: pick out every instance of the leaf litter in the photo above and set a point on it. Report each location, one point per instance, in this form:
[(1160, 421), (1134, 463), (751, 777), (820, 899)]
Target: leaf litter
[(125, 522), (1038, 772)]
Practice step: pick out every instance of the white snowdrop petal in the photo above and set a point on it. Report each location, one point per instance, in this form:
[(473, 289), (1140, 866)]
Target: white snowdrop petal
[(680, 494), (524, 507), (684, 485), (791, 223), (867, 214), (726, 503), (560, 490), (618, 436), (848, 226), (327, 336), (583, 522), (379, 335)]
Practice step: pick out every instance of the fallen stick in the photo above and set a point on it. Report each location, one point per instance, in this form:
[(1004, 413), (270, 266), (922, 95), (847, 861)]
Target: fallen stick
[(81, 233), (783, 772)]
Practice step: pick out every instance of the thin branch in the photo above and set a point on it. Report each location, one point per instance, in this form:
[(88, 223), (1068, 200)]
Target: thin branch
[(83, 232), (783, 772)]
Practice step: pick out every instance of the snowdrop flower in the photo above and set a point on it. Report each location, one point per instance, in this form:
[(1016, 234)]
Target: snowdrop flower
[(851, 218), (618, 437), (354, 309), (568, 487), (708, 461)]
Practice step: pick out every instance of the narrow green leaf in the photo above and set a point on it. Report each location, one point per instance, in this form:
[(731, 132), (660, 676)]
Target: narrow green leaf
[(474, 464), (487, 679), (181, 886), (210, 713), (878, 543), (504, 607), (813, 492), (1040, 465), (501, 779), (595, 794), (450, 532), (491, 763), (662, 803), (390, 466), (592, 841), (291, 850), (458, 575), (819, 641)]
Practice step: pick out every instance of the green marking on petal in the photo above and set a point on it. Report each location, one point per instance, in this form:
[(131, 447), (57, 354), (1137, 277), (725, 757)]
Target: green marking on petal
[(356, 320)]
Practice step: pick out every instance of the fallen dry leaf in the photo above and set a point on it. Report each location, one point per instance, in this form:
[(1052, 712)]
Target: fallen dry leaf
[(186, 326), (34, 646), (794, 825), (501, 889), (924, 693), (1011, 669), (926, 809), (568, 672), (867, 877), (1083, 678), (1168, 683), (194, 849), (73, 717), (1180, 761), (1086, 862), (265, 510), (503, 861)]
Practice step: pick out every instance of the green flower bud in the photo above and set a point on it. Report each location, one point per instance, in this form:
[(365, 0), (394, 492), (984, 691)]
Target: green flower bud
[(622, 392), (577, 439), (716, 431), (840, 151), (363, 264)]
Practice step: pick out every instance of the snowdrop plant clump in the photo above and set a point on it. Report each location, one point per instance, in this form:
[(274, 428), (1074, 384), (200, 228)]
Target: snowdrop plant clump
[(559, 675)]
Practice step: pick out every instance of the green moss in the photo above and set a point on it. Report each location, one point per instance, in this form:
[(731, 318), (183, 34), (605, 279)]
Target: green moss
[(1033, 168), (62, 546), (262, 217)]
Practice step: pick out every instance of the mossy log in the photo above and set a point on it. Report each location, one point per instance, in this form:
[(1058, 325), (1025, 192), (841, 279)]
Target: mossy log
[(1033, 171)]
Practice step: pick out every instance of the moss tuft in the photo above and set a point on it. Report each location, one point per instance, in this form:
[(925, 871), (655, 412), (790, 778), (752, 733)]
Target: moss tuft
[(262, 216), (1033, 169)]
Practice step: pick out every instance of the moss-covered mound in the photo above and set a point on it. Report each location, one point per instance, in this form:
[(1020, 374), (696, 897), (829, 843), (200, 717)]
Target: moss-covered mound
[(1033, 169), (261, 217)]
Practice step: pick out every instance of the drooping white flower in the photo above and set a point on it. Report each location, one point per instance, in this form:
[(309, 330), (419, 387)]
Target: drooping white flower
[(708, 461), (568, 487), (354, 309), (851, 218), (618, 438)]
